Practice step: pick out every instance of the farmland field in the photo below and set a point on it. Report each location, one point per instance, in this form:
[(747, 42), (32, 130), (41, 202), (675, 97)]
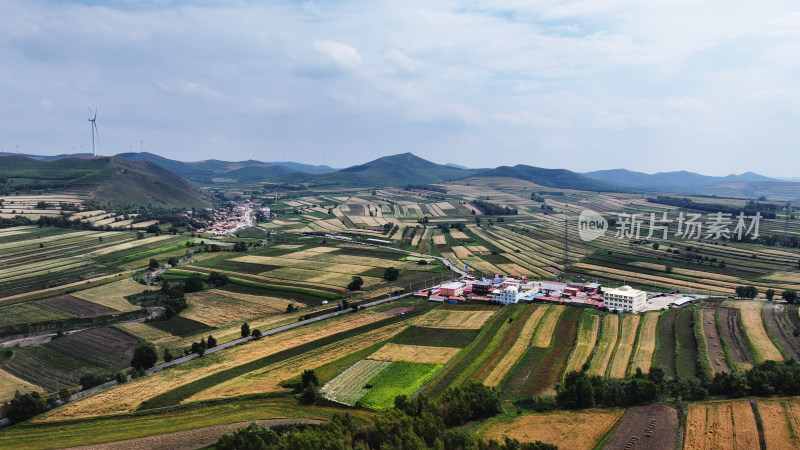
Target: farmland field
[(781, 420), (442, 318), (510, 356), (415, 353), (605, 345), (436, 337), (734, 337), (76, 306), (646, 343), (780, 330), (654, 426), (685, 344), (582, 429), (622, 353), (544, 331), (113, 295), (398, 378), (587, 338), (348, 387), (716, 351), (762, 346), (721, 424), (9, 384)]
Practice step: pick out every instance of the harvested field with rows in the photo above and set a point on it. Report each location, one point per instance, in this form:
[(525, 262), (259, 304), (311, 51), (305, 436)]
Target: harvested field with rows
[(762, 346), (582, 429), (415, 353), (721, 424), (654, 426), (645, 343), (442, 318)]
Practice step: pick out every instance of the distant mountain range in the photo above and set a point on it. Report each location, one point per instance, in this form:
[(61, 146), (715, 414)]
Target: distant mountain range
[(639, 180), (395, 170), (105, 178)]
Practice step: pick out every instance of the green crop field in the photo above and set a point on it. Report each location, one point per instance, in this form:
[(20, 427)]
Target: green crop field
[(398, 378)]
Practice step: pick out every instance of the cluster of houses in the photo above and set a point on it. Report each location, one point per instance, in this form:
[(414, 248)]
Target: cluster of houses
[(227, 221), (506, 290)]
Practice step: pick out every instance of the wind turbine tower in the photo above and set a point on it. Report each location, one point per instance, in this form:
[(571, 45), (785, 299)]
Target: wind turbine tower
[(93, 120)]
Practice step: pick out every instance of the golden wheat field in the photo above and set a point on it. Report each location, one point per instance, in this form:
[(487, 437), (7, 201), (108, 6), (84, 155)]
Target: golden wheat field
[(619, 363), (415, 353), (522, 344), (544, 333), (721, 424), (754, 328), (605, 345), (442, 318), (646, 345), (587, 337), (567, 429)]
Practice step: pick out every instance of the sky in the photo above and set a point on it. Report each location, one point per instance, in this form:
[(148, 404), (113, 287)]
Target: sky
[(709, 86)]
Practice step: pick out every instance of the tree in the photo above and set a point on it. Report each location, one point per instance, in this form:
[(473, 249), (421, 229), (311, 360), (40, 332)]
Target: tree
[(356, 283), (172, 261), (655, 245), (309, 376), (212, 341), (256, 334), (25, 406), (145, 356), (746, 291), (64, 394), (168, 355), (121, 377), (769, 293), (790, 295), (153, 265), (245, 330), (194, 283), (391, 274), (255, 437)]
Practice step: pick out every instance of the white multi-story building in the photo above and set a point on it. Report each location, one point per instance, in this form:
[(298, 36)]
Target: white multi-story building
[(506, 295), (625, 299)]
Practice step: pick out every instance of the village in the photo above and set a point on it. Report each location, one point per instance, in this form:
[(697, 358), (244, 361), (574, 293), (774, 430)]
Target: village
[(510, 290)]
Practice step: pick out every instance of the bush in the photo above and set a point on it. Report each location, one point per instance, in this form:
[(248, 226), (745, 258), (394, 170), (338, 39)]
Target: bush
[(256, 334), (211, 342), (91, 380), (121, 377), (168, 355)]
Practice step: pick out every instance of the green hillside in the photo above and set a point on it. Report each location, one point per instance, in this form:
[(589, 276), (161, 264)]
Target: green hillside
[(395, 170), (105, 178), (557, 178)]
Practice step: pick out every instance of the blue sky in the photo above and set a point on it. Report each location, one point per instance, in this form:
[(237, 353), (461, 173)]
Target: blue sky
[(707, 86)]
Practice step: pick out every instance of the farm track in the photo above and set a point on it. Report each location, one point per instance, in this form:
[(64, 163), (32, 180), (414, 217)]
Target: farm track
[(733, 335), (654, 426), (716, 351), (776, 323)]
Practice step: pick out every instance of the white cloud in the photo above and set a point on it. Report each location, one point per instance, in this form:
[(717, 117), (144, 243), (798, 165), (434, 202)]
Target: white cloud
[(527, 118)]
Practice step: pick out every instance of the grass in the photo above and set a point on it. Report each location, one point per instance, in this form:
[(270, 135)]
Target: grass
[(399, 378), (436, 337), (348, 387), (703, 358), (29, 313)]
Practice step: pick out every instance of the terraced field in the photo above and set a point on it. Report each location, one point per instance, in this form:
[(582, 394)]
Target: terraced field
[(645, 343)]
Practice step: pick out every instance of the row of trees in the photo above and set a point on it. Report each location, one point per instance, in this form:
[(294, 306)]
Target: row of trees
[(492, 209), (790, 295)]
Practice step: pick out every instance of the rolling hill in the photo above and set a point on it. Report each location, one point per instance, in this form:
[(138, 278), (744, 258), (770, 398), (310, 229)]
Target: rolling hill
[(395, 170), (557, 178), (105, 178)]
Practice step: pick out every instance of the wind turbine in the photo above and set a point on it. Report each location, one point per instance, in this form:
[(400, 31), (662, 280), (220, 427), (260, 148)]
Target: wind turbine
[(93, 120)]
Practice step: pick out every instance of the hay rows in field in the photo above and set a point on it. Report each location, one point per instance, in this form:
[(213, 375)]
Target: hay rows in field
[(605, 345), (587, 338), (722, 424), (544, 332), (348, 387), (622, 353), (646, 345), (780, 418)]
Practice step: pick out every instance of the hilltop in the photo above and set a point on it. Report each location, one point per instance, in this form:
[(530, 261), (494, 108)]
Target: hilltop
[(104, 178), (394, 170)]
